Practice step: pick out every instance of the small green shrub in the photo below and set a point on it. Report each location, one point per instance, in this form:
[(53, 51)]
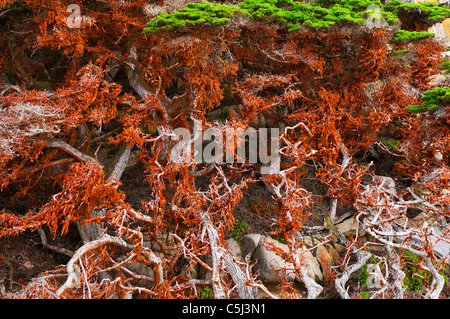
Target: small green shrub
[(396, 52), (239, 229), (321, 14), (205, 293), (193, 13), (447, 65), (16, 7), (402, 36), (392, 144), (361, 275), (413, 274), (280, 239), (415, 277), (364, 294), (433, 98), (431, 10)]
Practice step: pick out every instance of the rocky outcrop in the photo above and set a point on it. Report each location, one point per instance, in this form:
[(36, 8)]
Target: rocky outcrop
[(349, 226), (311, 264), (249, 243), (327, 256), (269, 264)]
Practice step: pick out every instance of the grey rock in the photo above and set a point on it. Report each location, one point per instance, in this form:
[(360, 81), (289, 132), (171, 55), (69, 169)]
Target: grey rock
[(269, 264), (348, 227), (235, 249), (311, 264), (248, 244)]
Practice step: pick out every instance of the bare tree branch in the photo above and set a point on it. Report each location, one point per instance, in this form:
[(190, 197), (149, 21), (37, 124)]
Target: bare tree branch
[(63, 146), (44, 242)]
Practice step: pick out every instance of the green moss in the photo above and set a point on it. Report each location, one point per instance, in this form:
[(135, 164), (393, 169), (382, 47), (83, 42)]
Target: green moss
[(415, 276), (402, 36), (433, 99), (362, 274)]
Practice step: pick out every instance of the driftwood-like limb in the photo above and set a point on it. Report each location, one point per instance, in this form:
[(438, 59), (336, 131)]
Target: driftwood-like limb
[(73, 279), (59, 250), (137, 82), (219, 256), (93, 231), (314, 289), (121, 164), (438, 278), (345, 161), (240, 278), (362, 257), (63, 146), (394, 264)]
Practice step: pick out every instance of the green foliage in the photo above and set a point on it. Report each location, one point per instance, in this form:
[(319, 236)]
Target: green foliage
[(402, 36), (280, 239), (392, 144), (362, 274), (321, 14), (239, 229), (430, 10), (447, 65), (16, 7), (296, 13), (364, 294), (400, 51), (419, 108), (415, 277), (205, 293), (432, 100), (193, 13)]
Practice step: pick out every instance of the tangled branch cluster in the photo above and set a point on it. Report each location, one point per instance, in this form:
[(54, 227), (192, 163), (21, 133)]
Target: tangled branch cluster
[(113, 95)]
